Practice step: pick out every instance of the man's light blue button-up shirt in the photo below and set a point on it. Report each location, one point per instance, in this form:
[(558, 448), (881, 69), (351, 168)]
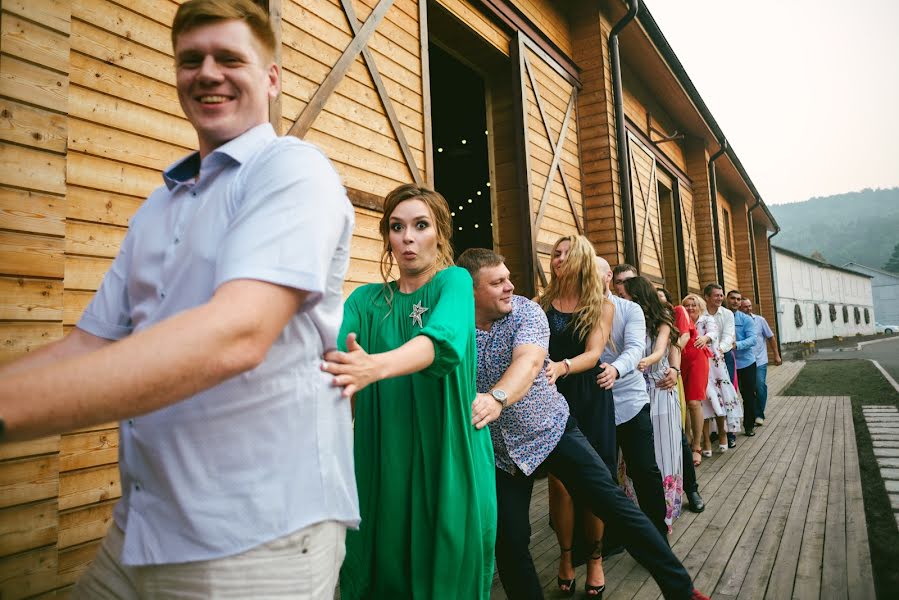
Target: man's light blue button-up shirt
[(629, 337), (269, 451), (762, 334), (744, 331)]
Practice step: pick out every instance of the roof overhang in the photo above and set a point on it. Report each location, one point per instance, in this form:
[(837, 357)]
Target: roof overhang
[(646, 52)]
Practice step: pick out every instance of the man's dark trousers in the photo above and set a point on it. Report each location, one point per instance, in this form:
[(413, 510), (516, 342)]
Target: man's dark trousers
[(587, 479), (635, 439), (746, 381), (690, 484)]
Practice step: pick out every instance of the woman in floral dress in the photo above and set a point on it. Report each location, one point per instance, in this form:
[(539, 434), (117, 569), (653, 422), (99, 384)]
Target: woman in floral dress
[(664, 404)]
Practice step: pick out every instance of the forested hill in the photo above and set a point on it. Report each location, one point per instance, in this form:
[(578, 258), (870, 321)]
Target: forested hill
[(862, 227)]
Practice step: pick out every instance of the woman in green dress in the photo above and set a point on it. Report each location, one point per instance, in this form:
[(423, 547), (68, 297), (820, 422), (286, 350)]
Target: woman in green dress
[(425, 474)]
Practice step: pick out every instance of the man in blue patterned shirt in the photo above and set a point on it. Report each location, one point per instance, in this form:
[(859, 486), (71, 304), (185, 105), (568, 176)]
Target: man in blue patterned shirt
[(532, 426)]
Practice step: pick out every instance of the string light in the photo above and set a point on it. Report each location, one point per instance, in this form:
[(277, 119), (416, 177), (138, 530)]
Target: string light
[(475, 225), (469, 200), (460, 228), (479, 193), (452, 214), (464, 141), (488, 184), (439, 149), (461, 207)]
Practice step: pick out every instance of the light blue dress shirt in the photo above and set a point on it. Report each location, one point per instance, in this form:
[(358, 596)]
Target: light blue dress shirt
[(762, 334), (629, 337), (744, 331), (269, 451)]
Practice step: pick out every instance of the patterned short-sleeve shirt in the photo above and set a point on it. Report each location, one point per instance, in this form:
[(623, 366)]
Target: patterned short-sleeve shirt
[(527, 431)]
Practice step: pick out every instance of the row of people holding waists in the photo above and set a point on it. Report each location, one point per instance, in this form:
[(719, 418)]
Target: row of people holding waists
[(275, 439), (580, 384), (465, 392)]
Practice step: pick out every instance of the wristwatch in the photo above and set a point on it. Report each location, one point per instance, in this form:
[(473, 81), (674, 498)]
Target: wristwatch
[(500, 396)]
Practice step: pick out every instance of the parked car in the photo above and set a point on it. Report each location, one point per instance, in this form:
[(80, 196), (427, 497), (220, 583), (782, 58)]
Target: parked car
[(886, 329)]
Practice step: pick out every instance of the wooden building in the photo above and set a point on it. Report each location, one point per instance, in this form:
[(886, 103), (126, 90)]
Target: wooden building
[(513, 108)]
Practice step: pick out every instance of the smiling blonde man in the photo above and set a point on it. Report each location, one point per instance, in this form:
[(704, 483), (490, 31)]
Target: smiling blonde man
[(205, 339)]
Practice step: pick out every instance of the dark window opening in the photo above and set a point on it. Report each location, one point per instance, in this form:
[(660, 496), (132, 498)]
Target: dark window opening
[(728, 242), (461, 167)]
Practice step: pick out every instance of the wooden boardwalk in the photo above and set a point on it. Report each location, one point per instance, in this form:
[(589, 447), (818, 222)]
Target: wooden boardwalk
[(783, 519)]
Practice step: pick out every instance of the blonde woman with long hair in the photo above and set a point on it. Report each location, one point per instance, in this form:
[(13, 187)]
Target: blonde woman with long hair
[(580, 319)]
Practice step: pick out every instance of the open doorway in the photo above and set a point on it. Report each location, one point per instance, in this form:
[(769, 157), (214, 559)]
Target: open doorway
[(461, 158), (473, 85)]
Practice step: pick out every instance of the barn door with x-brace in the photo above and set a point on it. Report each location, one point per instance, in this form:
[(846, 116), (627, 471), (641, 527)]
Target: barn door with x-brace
[(353, 85), (550, 169), (647, 220)]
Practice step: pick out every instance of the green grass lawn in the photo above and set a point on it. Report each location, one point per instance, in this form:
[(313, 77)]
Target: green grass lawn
[(860, 380)]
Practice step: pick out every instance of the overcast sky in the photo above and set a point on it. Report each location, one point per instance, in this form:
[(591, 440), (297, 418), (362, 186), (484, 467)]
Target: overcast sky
[(807, 92)]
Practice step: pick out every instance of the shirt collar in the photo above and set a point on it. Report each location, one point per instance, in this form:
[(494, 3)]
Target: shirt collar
[(239, 150)]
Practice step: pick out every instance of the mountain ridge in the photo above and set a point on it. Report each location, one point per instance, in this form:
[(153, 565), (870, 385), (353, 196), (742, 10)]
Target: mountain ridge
[(861, 227)]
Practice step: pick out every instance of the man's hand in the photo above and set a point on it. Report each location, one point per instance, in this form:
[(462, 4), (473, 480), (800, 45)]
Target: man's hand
[(353, 369), (555, 370), (608, 375), (485, 410), (702, 342), (777, 361), (669, 381)]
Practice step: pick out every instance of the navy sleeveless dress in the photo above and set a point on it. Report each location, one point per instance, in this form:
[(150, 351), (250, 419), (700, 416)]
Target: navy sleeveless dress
[(592, 406)]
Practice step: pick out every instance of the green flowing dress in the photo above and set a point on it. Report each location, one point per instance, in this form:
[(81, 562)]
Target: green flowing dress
[(425, 475)]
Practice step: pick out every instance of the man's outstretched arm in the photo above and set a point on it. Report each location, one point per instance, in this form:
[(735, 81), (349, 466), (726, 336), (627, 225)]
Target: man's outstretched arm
[(161, 365), (76, 343)]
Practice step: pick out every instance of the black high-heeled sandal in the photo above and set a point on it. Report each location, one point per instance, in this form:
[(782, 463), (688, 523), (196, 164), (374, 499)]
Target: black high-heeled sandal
[(595, 591), (571, 584)]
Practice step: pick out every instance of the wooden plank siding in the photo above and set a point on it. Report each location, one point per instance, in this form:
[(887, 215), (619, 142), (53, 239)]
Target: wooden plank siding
[(742, 243), (690, 237), (551, 134), (645, 112), (765, 303), (647, 220), (506, 194), (550, 18), (34, 89), (697, 169), (353, 127), (599, 151), (481, 24), (726, 237)]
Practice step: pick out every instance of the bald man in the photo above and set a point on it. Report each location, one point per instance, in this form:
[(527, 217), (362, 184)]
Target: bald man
[(763, 336), (633, 425)]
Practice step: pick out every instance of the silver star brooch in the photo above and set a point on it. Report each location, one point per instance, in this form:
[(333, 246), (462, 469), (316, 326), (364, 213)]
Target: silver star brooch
[(417, 311)]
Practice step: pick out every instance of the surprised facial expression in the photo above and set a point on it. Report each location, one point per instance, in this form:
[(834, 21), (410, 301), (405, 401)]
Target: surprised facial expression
[(413, 237)]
